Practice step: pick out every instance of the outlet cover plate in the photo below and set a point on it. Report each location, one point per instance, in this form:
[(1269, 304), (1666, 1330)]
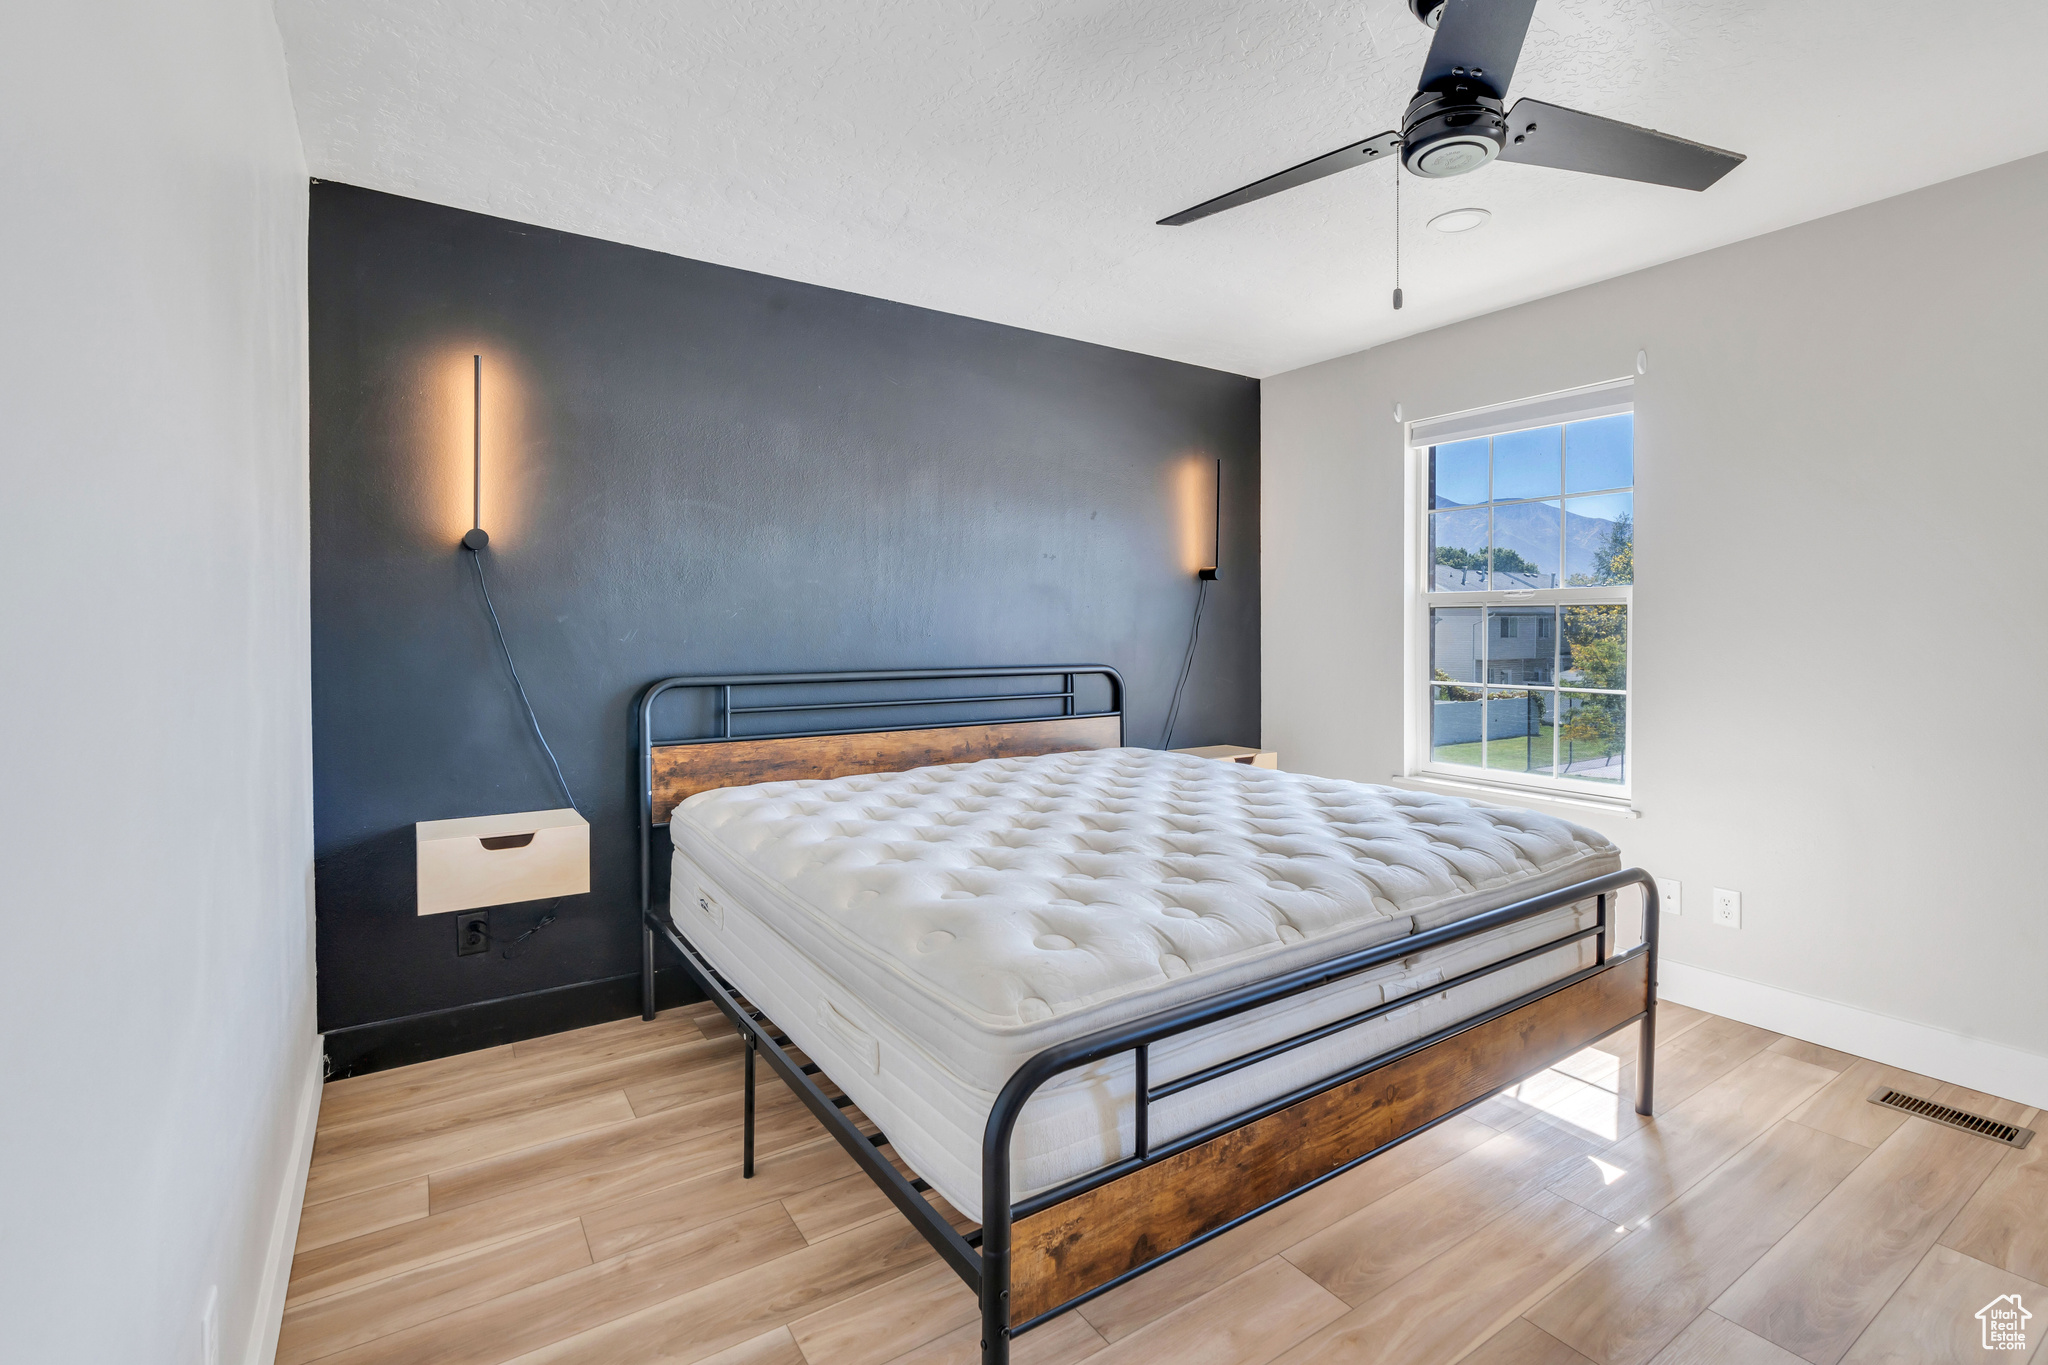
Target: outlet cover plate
[(1672, 894), (1727, 908)]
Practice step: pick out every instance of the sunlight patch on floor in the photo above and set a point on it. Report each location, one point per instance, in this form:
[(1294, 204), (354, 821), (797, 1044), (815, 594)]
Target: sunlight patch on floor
[(1594, 1067), (1592, 1107)]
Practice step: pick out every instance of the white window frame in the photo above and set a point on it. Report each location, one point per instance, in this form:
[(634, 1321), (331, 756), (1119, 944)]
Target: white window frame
[(1598, 400)]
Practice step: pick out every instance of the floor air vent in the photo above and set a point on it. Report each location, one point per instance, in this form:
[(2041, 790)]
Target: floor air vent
[(1954, 1118)]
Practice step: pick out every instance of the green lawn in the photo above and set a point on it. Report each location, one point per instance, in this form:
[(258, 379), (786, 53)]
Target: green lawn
[(1513, 755), (1507, 753)]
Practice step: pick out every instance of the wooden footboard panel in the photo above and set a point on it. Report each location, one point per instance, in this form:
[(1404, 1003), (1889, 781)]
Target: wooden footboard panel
[(1082, 1243)]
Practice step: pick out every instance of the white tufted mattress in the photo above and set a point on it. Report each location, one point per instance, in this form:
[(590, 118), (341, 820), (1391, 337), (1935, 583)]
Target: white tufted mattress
[(920, 934)]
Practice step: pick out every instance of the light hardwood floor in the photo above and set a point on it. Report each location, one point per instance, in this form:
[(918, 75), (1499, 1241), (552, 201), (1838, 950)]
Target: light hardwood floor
[(578, 1199)]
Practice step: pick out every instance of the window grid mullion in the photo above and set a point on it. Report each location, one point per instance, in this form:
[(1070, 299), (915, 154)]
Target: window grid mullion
[(1557, 655), (1556, 725), (1562, 513), (1486, 639), (1549, 497)]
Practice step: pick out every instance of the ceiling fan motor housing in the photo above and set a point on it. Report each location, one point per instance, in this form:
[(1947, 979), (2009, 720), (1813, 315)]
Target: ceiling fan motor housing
[(1430, 12), (1451, 132)]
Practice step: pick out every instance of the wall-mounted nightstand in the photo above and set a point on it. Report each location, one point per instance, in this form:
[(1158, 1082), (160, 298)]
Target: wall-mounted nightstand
[(499, 859), (1236, 753)]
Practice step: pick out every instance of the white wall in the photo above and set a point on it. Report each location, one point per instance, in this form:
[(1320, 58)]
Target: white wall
[(156, 969), (1842, 471)]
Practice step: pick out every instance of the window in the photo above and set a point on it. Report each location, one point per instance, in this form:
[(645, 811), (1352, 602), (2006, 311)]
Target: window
[(1522, 618)]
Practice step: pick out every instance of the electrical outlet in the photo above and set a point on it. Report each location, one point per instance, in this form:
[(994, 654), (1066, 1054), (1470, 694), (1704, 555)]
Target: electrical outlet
[(1727, 908), (1672, 894), (472, 933), (209, 1328)]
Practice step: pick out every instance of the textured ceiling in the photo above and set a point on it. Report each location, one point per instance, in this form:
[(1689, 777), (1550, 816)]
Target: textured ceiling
[(1007, 160)]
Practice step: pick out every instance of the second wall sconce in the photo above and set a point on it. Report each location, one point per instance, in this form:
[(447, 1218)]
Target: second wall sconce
[(475, 538)]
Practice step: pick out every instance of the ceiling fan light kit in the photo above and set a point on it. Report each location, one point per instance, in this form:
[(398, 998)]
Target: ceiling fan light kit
[(1459, 120)]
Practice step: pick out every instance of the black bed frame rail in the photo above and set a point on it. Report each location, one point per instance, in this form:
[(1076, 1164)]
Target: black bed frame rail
[(982, 1259), (1137, 1037), (829, 1110)]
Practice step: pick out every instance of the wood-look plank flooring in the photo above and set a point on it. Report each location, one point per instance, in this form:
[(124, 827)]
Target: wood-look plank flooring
[(578, 1199)]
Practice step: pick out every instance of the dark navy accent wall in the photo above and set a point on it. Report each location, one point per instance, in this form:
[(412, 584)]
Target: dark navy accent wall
[(693, 469)]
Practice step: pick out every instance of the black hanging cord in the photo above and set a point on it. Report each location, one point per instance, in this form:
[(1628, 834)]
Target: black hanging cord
[(476, 558), (516, 947), (1187, 665)]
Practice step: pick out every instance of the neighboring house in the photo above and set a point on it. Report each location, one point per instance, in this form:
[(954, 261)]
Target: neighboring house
[(1522, 651), (1450, 579), (1524, 647)]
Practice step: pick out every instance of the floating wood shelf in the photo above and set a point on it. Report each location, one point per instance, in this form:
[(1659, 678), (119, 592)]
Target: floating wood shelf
[(1236, 753)]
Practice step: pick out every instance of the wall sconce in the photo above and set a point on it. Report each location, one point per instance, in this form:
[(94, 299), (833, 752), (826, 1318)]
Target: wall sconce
[(1204, 577), (475, 538), (1215, 569)]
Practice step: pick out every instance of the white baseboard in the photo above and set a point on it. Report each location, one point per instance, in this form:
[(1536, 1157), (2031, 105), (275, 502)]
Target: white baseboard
[(1993, 1068), (284, 1228)]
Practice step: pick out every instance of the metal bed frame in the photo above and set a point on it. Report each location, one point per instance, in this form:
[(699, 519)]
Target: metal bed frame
[(983, 1258)]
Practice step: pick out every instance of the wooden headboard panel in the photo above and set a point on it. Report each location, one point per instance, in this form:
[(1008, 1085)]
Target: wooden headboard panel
[(672, 770), (682, 770)]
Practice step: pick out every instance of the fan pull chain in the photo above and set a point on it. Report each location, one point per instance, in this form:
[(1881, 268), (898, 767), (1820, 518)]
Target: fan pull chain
[(1397, 234)]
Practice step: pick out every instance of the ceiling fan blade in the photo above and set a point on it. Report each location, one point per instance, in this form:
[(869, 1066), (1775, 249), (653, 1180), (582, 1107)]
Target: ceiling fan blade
[(1377, 148), (1542, 134), (1480, 40)]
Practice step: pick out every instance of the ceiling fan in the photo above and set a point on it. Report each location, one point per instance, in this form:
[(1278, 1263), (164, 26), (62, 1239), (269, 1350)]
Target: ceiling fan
[(1459, 121)]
